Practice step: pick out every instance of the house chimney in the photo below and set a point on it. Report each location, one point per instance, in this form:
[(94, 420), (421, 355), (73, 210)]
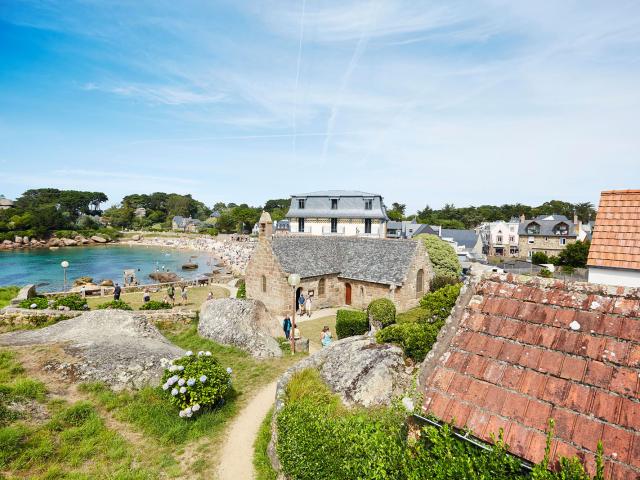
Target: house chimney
[(522, 218), (265, 226)]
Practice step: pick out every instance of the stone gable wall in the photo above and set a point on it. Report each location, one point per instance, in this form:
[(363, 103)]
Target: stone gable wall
[(264, 262), (550, 246)]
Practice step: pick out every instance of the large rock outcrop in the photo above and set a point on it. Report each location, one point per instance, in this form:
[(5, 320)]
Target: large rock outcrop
[(242, 323), (358, 369), (116, 347)]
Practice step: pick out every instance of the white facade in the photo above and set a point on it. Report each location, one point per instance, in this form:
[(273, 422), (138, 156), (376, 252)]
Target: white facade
[(501, 238), (614, 276), (342, 226)]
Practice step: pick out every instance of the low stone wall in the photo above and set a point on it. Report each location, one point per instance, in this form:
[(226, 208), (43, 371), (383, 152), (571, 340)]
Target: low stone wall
[(24, 317)]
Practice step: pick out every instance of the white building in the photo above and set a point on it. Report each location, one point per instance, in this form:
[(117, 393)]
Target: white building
[(500, 238), (338, 212), (614, 256)]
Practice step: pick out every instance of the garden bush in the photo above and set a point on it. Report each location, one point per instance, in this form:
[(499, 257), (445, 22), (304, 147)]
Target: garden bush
[(539, 258), (242, 290), (115, 305), (350, 323), (440, 281), (545, 273), (439, 303), (383, 311), (415, 338), (442, 255), (194, 381), (155, 305), (40, 302), (73, 301)]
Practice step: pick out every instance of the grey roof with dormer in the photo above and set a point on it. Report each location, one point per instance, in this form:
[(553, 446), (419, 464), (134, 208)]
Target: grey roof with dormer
[(366, 259), (351, 204), (547, 224), (464, 238)]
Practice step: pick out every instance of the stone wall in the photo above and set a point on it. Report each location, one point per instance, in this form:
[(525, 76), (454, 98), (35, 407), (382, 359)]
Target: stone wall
[(278, 292), (549, 245), (408, 296)]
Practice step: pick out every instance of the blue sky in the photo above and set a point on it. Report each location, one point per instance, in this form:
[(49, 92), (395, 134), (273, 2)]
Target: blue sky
[(425, 102)]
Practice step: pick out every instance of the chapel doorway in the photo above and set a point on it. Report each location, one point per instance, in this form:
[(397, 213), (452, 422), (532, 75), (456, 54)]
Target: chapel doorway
[(298, 292), (347, 296)]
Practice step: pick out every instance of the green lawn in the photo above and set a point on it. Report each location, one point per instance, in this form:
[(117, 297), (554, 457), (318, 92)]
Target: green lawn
[(261, 462), (311, 329), (7, 294), (195, 297)]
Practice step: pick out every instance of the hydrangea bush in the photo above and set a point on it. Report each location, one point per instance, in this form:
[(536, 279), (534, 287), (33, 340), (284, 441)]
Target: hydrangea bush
[(195, 381)]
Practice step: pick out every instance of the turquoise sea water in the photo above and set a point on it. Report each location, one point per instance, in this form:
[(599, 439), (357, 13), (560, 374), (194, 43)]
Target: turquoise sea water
[(42, 266)]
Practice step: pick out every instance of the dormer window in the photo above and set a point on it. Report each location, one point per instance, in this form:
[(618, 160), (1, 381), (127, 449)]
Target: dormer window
[(368, 204), (301, 203), (533, 229), (561, 229), (334, 204)]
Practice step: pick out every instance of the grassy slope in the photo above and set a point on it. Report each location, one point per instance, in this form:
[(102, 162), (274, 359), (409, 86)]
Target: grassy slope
[(261, 462), (7, 294), (195, 297)]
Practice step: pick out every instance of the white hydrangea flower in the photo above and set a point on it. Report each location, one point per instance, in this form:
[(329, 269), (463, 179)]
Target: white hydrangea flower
[(207, 353), (174, 392), (191, 381), (200, 353), (229, 371), (188, 354), (203, 378), (196, 407), (181, 414), (180, 368), (165, 387), (188, 414), (187, 410), (183, 389), (181, 382)]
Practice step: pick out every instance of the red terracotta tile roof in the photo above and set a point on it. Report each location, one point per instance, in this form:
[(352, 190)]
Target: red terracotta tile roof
[(529, 349), (616, 236)]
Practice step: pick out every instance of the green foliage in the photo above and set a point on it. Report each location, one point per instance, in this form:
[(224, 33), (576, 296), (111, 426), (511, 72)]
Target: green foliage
[(438, 304), (568, 269), (155, 305), (440, 281), (545, 273), (383, 311), (539, 258), (261, 462), (575, 254), (196, 381), (7, 294), (40, 302), (415, 338), (73, 301), (350, 323), (242, 290), (442, 255), (115, 305)]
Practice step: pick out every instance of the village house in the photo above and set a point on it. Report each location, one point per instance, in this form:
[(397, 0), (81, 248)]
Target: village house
[(549, 234), (614, 256), (182, 224), (500, 238), (5, 203), (140, 212), (338, 212), (466, 243), (335, 270), (408, 229)]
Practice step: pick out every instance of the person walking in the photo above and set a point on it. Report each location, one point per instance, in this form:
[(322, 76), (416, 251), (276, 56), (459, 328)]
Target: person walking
[(307, 306), (183, 295), (325, 337), (116, 292), (301, 301), (146, 296), (210, 295), (286, 327), (83, 291), (171, 292)]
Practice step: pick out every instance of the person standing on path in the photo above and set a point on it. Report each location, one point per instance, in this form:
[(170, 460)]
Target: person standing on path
[(116, 292), (286, 326), (301, 301), (183, 295), (171, 292), (307, 306)]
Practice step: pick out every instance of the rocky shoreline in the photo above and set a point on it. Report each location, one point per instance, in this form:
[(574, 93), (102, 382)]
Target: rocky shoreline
[(54, 242)]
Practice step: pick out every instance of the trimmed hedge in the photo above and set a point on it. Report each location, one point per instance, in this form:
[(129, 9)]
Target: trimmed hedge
[(114, 305), (350, 323), (416, 339), (442, 255), (382, 310)]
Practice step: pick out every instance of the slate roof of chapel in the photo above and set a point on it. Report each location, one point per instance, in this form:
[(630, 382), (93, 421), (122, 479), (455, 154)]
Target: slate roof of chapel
[(366, 259), (616, 235), (528, 349)]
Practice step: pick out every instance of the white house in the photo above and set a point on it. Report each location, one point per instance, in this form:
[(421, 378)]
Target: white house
[(500, 238), (614, 256), (338, 212)]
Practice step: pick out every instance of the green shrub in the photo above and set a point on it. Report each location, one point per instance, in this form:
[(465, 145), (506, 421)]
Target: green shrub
[(242, 289), (539, 258), (383, 311), (440, 281), (115, 305), (40, 302), (73, 301), (415, 338), (350, 323), (442, 255), (568, 269), (196, 381), (155, 305), (545, 273), (439, 303)]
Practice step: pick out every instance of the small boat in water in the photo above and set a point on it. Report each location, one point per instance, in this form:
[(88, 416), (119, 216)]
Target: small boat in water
[(190, 266)]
